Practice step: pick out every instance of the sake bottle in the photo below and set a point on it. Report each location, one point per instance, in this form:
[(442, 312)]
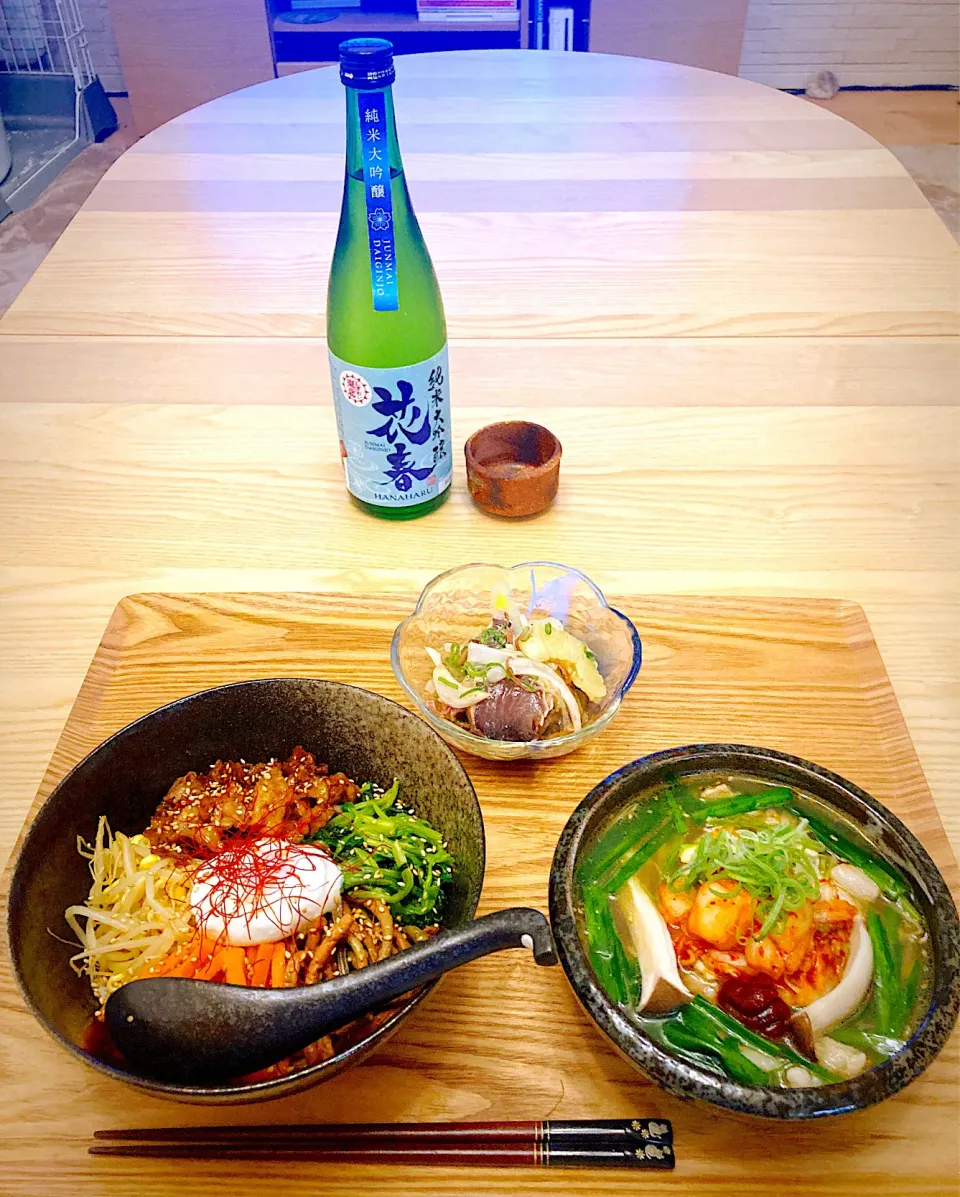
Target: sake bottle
[(386, 333)]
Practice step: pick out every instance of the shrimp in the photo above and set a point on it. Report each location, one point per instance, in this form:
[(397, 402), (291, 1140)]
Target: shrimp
[(675, 904), (796, 937), (832, 911), (722, 914), (764, 956), (724, 964)]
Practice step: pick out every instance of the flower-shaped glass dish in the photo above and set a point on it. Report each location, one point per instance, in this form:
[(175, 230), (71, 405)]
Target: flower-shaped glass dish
[(460, 603)]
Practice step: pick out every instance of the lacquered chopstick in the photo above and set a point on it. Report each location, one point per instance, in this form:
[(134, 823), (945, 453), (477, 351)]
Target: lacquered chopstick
[(652, 1156), (626, 1131), (596, 1143)]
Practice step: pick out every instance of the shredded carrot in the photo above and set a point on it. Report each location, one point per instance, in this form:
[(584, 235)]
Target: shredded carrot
[(234, 960), (184, 968), (278, 965), (213, 968), (260, 970)]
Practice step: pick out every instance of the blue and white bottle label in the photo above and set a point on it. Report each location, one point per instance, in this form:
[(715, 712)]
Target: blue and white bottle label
[(394, 428), (375, 154)]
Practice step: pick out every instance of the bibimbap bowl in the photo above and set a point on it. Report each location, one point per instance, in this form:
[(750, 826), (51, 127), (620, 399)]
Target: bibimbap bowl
[(366, 736), (879, 832)]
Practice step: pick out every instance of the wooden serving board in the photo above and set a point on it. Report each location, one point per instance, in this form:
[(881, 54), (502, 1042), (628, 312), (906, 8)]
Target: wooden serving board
[(502, 1038)]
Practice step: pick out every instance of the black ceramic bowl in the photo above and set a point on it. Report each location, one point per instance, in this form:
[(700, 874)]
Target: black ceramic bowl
[(888, 835), (366, 736)]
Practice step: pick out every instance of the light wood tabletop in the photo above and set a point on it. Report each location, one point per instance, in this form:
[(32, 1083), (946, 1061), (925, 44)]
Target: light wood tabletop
[(735, 310)]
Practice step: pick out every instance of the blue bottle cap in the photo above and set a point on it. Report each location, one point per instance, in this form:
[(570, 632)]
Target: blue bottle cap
[(366, 62)]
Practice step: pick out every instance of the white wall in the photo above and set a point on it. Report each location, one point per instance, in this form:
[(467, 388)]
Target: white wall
[(873, 42), (103, 45)]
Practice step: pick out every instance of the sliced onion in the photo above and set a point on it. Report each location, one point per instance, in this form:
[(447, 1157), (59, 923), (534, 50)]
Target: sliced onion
[(524, 667), (482, 654), (454, 695)]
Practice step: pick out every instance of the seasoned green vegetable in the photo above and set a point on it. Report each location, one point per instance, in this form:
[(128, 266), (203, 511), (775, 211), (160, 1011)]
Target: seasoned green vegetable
[(386, 852)]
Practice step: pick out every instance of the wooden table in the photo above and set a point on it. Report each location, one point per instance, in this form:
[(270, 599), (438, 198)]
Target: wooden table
[(735, 310)]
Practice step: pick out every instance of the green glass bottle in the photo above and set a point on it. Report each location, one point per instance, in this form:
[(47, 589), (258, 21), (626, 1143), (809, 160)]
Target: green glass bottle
[(386, 334)]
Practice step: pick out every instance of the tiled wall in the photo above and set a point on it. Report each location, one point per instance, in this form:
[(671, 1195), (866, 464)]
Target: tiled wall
[(874, 42), (103, 45)]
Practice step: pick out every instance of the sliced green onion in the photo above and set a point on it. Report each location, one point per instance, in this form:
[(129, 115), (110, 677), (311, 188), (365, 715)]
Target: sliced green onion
[(493, 638), (654, 842), (740, 804), (771, 863), (702, 1017)]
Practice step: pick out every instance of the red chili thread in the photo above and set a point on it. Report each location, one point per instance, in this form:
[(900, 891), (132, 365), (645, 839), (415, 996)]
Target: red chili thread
[(244, 868)]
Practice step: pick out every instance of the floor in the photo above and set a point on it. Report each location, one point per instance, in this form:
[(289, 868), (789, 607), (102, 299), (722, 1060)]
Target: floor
[(27, 237), (34, 145), (921, 128)]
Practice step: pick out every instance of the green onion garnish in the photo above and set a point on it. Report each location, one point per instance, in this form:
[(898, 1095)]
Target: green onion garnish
[(493, 637), (771, 863)]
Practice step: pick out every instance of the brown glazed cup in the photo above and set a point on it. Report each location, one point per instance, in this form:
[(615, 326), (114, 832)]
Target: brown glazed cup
[(513, 468)]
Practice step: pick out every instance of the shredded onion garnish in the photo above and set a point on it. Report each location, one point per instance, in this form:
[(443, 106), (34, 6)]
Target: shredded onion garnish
[(137, 910)]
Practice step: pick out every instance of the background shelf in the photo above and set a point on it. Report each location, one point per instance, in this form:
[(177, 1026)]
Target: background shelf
[(297, 43)]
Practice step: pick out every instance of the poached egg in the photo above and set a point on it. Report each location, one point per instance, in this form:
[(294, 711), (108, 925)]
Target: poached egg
[(264, 892)]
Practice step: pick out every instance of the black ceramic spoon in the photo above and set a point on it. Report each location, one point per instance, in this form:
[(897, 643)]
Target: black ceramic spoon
[(198, 1032)]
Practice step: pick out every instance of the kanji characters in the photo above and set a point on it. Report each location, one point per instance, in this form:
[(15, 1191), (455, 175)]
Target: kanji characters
[(402, 471), (402, 415)]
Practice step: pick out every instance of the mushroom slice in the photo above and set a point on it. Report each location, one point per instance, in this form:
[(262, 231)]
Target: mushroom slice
[(661, 987), (834, 1006)]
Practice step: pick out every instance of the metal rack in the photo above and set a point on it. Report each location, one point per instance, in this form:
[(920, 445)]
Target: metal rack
[(52, 101), (44, 37)]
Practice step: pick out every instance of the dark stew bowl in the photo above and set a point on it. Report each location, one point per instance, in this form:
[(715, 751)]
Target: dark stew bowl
[(888, 838), (364, 735)]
